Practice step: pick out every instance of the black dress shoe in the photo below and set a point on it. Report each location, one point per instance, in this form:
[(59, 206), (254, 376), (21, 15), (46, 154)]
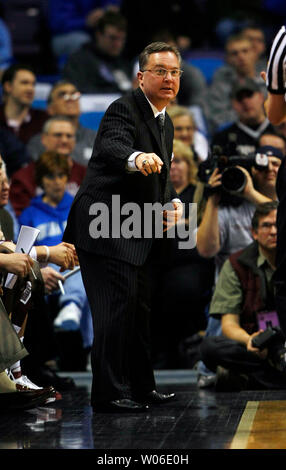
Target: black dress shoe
[(156, 398), (123, 405), (24, 398)]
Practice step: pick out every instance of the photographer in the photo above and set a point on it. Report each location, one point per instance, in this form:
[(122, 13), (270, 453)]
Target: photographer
[(226, 227), (242, 136), (244, 299)]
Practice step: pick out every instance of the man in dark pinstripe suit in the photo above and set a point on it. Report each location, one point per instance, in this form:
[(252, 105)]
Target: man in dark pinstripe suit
[(131, 159)]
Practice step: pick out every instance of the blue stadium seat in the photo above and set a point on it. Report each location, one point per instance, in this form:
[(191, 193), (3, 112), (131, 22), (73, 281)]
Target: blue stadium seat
[(207, 65), (39, 104), (91, 119)]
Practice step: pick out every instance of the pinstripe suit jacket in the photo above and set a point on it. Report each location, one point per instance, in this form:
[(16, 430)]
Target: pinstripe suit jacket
[(127, 126)]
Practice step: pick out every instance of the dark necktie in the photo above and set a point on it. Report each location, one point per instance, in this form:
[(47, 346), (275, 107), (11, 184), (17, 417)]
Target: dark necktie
[(161, 125), (165, 169)]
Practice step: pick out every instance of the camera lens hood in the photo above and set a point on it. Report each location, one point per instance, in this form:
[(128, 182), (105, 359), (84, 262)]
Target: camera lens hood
[(233, 180)]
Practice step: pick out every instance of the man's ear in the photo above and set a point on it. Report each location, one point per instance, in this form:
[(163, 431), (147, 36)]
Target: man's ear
[(235, 105), (50, 109), (253, 171), (43, 139), (140, 78), (254, 234), (7, 87)]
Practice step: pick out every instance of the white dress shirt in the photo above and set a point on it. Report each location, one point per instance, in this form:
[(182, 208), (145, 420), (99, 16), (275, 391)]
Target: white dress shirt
[(131, 160)]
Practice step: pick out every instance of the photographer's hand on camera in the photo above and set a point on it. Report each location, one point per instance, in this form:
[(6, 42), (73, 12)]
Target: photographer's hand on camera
[(214, 183), (262, 354), (208, 241)]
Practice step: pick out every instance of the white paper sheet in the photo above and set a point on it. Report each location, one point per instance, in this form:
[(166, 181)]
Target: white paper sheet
[(25, 242)]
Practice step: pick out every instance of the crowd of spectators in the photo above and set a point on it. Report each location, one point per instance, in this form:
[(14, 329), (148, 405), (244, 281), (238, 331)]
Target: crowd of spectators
[(46, 151)]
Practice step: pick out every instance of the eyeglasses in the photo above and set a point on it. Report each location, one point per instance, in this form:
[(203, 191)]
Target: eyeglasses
[(267, 225), (184, 128), (59, 135), (53, 176), (69, 96), (175, 73)]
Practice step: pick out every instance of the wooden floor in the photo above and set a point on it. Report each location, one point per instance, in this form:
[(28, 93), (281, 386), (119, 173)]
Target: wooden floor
[(262, 426), (197, 424)]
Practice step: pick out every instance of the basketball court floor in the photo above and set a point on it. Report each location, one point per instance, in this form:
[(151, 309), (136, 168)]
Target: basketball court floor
[(199, 422)]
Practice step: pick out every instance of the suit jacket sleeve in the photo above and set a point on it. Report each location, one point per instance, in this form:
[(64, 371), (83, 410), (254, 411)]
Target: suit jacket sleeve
[(117, 136)]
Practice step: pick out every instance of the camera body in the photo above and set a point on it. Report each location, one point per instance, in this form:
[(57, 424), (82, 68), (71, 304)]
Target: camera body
[(274, 340), (264, 339), (233, 178)]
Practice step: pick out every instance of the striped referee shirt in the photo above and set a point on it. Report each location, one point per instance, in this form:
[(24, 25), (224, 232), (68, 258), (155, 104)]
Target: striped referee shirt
[(276, 68)]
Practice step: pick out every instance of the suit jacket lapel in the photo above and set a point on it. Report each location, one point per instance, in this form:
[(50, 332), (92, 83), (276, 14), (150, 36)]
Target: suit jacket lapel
[(148, 116), (151, 122)]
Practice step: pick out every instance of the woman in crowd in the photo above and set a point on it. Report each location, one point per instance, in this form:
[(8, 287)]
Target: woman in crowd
[(185, 129), (183, 282), (48, 212)]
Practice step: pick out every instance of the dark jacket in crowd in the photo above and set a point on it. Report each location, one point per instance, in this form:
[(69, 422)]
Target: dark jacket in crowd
[(257, 297)]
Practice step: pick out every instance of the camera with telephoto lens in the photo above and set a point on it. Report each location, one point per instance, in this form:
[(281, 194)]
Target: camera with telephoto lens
[(274, 340), (233, 179)]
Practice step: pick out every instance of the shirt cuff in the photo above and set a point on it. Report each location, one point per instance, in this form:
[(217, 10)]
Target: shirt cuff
[(33, 253), (131, 162)]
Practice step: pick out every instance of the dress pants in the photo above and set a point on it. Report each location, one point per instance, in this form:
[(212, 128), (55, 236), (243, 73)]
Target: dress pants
[(11, 348), (119, 298), (232, 355)]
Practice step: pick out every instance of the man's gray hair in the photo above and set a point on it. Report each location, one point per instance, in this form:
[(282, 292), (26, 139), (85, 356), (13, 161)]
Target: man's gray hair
[(57, 85), (57, 118), (157, 47), (262, 210)]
